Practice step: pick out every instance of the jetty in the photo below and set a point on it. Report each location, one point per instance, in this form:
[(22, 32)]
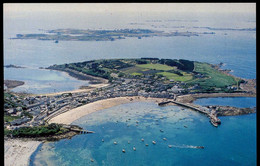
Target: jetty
[(214, 120), (77, 129)]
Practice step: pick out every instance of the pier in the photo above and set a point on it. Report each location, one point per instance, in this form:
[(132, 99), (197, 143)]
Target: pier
[(214, 120)]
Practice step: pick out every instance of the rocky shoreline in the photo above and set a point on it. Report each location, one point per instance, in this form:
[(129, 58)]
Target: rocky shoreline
[(232, 111)]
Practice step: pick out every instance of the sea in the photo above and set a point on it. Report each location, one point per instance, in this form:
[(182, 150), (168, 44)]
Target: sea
[(232, 143)]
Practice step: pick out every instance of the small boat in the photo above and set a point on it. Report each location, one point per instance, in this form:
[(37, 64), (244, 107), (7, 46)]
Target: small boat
[(200, 147), (91, 160), (170, 146), (134, 148), (142, 140), (161, 130), (128, 142), (164, 139), (56, 41), (102, 140), (185, 126), (123, 150), (154, 142), (115, 143), (146, 145)]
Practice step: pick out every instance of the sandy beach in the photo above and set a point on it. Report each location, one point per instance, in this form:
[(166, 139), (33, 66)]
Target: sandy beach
[(74, 114), (17, 152)]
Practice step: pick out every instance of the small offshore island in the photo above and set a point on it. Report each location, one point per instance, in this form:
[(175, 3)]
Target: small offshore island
[(48, 117)]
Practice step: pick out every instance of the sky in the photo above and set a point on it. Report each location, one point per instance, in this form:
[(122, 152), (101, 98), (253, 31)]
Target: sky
[(131, 7)]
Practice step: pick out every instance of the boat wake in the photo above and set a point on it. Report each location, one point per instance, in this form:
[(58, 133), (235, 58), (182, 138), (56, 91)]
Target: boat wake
[(187, 146)]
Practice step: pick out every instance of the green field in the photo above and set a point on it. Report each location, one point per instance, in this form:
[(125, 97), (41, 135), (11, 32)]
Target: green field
[(156, 67), (175, 77), (214, 78)]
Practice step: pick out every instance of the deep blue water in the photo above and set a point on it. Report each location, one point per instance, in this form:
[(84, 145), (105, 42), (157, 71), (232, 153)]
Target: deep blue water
[(237, 49), (232, 143)]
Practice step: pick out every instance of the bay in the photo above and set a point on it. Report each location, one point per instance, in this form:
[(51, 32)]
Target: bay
[(233, 142)]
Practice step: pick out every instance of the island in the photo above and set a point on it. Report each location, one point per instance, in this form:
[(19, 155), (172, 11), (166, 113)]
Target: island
[(102, 35), (13, 66)]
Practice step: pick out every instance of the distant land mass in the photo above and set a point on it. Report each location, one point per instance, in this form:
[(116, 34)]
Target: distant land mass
[(102, 35), (228, 29), (13, 66)]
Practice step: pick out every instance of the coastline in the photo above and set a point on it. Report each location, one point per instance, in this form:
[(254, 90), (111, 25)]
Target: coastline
[(87, 89), (76, 113), (192, 97), (19, 151)]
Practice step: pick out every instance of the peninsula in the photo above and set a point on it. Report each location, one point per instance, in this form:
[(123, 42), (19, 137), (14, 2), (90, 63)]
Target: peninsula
[(48, 117), (175, 81)]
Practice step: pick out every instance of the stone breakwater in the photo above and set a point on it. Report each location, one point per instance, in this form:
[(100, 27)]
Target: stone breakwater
[(213, 111)]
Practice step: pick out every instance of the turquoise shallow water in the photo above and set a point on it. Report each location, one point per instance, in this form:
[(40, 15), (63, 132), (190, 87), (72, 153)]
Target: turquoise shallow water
[(42, 81), (233, 143)]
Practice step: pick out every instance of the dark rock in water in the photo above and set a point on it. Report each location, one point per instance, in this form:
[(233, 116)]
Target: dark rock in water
[(13, 83)]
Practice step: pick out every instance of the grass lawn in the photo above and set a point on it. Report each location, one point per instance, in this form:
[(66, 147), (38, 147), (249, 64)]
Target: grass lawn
[(175, 77), (136, 74), (131, 70), (8, 118), (156, 67), (214, 77)]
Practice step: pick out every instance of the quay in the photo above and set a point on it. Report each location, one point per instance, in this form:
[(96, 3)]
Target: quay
[(215, 121)]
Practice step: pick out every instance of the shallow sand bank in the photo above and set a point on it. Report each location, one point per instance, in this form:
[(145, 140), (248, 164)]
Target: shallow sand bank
[(90, 88), (74, 114), (17, 152)]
